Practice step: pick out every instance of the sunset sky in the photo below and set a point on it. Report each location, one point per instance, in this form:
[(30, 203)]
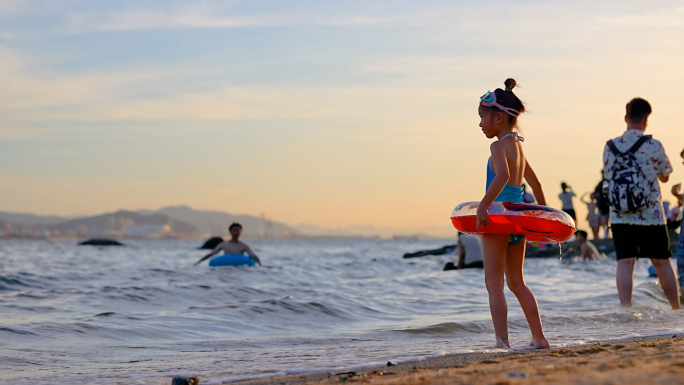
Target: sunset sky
[(328, 113)]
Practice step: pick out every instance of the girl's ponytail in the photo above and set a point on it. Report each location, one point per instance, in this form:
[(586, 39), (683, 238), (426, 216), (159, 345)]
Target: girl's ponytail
[(510, 84)]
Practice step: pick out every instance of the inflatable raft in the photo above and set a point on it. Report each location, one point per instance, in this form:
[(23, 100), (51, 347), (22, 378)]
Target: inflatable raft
[(232, 260), (538, 223)]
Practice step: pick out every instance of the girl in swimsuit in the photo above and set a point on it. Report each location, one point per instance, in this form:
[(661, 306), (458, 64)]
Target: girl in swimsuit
[(503, 255)]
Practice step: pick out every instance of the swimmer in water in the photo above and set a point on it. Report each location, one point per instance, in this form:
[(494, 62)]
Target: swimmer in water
[(233, 246), (503, 254), (589, 251)]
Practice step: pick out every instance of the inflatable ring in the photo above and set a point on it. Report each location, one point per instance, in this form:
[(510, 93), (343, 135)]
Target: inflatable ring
[(232, 260), (538, 223)]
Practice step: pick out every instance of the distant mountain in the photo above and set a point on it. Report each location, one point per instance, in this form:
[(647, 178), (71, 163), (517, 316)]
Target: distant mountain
[(217, 222), (185, 221), (30, 219), (373, 231), (347, 231), (122, 221)]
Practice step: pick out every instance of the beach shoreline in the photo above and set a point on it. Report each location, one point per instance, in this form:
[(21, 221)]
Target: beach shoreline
[(637, 360)]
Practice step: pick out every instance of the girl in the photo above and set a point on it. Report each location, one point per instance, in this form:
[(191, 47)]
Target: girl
[(566, 198), (592, 216), (505, 254)]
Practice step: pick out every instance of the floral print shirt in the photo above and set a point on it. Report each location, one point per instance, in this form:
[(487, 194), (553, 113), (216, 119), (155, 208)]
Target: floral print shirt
[(653, 162)]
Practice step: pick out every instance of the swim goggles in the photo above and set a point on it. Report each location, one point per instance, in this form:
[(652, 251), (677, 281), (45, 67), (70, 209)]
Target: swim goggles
[(489, 100)]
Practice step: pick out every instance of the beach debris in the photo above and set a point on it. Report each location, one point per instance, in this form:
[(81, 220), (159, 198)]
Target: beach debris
[(349, 373), (381, 373), (517, 375), (182, 380), (350, 376), (389, 363)]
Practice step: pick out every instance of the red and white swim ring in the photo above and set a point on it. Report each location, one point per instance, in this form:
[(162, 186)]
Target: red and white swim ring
[(538, 223)]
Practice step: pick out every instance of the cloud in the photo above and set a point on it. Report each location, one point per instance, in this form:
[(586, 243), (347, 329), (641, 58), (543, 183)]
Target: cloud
[(41, 102), (214, 17), (12, 7)]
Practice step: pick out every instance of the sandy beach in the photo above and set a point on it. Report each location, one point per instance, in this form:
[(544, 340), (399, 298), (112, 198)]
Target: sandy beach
[(647, 360)]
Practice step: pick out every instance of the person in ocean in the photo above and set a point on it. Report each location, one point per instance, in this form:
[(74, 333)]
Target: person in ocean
[(469, 252), (677, 192), (588, 251), (504, 255), (603, 208), (566, 199), (233, 246), (639, 232), (592, 215)]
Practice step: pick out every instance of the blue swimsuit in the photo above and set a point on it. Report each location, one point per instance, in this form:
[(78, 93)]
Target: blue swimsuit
[(508, 194)]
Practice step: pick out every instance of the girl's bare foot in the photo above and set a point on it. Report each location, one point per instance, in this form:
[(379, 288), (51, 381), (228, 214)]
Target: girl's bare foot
[(534, 344), (539, 344), (500, 344)]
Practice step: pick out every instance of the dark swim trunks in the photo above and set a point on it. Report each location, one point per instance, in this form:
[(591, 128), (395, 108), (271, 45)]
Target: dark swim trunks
[(636, 241), (571, 212), (516, 238)]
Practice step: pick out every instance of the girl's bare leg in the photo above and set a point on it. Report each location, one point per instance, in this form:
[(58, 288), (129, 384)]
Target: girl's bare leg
[(515, 258), (494, 247)]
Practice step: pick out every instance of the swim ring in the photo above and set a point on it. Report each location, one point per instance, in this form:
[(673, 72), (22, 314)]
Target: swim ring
[(232, 260), (538, 223)]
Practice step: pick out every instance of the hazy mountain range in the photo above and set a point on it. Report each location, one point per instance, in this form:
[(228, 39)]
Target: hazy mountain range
[(183, 219)]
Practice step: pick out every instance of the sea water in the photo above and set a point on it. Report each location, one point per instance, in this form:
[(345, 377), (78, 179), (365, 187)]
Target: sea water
[(142, 313)]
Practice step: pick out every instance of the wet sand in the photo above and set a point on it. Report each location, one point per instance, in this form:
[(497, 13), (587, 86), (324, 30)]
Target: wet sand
[(642, 360)]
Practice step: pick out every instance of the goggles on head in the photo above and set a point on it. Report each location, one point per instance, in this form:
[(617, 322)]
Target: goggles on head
[(489, 100)]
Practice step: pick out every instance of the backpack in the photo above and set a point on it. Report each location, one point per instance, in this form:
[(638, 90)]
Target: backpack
[(627, 189)]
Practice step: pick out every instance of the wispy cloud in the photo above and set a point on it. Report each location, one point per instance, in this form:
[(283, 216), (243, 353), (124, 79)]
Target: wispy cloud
[(218, 17), (34, 98), (12, 7)]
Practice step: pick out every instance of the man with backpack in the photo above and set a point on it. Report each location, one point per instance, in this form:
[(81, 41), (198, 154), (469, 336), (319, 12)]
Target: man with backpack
[(633, 164)]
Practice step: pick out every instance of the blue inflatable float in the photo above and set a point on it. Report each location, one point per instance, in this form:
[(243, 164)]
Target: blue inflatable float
[(232, 260)]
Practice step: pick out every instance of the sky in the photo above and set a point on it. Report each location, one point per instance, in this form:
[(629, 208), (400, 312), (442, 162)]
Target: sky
[(327, 113)]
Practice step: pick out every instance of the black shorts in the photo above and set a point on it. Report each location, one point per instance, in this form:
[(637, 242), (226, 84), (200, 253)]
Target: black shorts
[(603, 208), (635, 241), (571, 212)]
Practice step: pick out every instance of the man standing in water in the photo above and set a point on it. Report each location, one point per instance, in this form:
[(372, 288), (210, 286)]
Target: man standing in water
[(633, 164), (234, 246), (676, 191)]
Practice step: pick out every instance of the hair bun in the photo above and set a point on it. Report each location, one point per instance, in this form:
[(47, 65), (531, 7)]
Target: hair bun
[(510, 84)]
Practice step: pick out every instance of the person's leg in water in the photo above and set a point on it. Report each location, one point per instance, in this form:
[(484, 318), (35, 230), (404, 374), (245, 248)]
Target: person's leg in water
[(494, 248), (680, 258), (603, 222), (668, 280), (624, 277), (595, 231), (515, 258)]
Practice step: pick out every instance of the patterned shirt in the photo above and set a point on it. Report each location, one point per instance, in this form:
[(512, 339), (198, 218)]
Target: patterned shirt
[(653, 161)]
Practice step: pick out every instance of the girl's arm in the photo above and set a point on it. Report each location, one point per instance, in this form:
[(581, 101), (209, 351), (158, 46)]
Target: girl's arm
[(582, 198), (675, 191), (500, 168), (533, 182)]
